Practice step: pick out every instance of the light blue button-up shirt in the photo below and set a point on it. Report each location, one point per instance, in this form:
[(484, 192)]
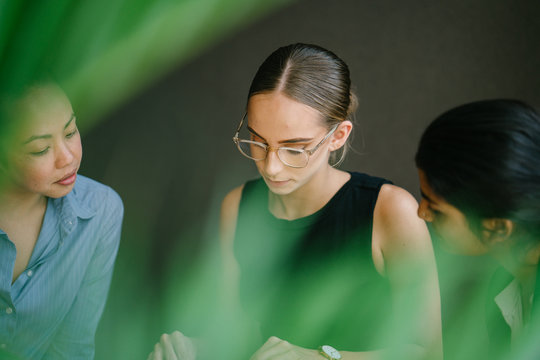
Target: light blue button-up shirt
[(52, 309)]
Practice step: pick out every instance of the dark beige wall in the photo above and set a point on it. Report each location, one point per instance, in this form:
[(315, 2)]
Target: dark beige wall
[(409, 62), (169, 152)]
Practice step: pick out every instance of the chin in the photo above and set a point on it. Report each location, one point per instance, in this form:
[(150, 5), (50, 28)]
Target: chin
[(58, 193), (280, 190)]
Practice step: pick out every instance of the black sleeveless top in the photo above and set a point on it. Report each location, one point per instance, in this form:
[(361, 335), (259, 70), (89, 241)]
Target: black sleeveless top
[(312, 281)]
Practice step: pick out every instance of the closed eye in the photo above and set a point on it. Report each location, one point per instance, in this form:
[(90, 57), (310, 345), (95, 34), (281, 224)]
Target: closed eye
[(71, 134), (39, 153), (292, 151), (296, 145)]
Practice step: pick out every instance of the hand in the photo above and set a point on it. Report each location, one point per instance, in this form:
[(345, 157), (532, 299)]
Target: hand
[(276, 349), (175, 346)]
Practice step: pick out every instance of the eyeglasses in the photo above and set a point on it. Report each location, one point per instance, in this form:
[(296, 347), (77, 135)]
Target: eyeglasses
[(293, 157)]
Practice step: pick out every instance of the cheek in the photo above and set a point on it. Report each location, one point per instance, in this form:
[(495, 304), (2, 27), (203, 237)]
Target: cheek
[(456, 237), (76, 147), (32, 172)]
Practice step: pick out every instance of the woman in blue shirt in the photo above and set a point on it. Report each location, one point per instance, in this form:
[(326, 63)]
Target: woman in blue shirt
[(59, 232)]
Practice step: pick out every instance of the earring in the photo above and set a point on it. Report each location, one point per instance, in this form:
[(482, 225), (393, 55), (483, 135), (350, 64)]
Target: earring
[(341, 158)]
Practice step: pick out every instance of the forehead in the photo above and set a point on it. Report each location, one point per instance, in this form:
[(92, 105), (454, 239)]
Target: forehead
[(275, 113), (42, 110)]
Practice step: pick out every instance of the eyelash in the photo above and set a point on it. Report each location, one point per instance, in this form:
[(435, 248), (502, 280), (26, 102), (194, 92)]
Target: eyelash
[(40, 153), (294, 145), (44, 151), (70, 135)]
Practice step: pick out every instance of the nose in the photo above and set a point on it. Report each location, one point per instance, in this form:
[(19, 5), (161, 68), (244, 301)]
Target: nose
[(64, 155), (424, 212), (273, 164)]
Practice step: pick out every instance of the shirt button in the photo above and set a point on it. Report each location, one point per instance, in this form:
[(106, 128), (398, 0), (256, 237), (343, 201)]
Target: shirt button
[(9, 310), (29, 273)]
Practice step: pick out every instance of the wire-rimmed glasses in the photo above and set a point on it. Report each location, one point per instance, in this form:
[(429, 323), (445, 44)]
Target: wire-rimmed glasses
[(293, 157)]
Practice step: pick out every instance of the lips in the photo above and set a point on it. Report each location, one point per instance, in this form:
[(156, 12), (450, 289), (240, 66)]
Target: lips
[(68, 179), (277, 183)]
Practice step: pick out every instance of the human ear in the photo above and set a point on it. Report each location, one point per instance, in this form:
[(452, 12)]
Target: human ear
[(496, 230), (340, 136)]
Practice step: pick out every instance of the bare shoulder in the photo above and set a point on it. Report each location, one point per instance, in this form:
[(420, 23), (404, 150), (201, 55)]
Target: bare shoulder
[(229, 213), (395, 201), (396, 224)]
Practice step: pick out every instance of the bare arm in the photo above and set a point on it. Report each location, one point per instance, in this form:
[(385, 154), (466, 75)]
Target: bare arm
[(227, 229), (407, 259)]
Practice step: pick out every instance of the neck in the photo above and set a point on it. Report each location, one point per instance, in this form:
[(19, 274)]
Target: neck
[(523, 265), (17, 204), (309, 198)]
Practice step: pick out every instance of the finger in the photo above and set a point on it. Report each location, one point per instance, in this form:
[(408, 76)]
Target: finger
[(183, 346), (271, 348), (157, 354), (168, 351), (272, 341), (177, 338)]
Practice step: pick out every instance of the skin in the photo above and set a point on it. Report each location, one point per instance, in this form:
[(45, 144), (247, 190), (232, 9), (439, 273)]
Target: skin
[(496, 238), (400, 238), (42, 162), (279, 121), (448, 222), (175, 346)]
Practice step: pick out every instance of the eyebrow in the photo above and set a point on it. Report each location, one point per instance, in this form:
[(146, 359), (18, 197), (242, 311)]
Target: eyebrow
[(48, 136), (288, 141)]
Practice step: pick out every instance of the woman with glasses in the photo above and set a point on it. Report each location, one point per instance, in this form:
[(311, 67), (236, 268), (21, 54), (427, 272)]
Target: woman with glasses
[(327, 262), (479, 170)]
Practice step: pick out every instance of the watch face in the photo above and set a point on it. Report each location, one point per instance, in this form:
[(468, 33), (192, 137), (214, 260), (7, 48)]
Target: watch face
[(330, 351)]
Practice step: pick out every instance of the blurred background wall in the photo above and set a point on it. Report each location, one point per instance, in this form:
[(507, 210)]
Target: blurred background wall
[(159, 88)]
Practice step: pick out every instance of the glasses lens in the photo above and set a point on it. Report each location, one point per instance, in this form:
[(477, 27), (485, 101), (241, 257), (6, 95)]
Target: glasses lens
[(293, 157), (252, 149)]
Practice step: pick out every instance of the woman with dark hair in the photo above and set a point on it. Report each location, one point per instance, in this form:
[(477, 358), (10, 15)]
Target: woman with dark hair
[(479, 169), (314, 254), (59, 231)]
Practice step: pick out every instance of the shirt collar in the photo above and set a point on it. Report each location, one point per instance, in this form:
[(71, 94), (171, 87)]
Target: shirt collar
[(78, 207), (70, 208)]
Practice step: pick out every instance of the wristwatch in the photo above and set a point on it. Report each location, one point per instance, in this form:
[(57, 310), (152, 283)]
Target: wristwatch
[(329, 352)]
